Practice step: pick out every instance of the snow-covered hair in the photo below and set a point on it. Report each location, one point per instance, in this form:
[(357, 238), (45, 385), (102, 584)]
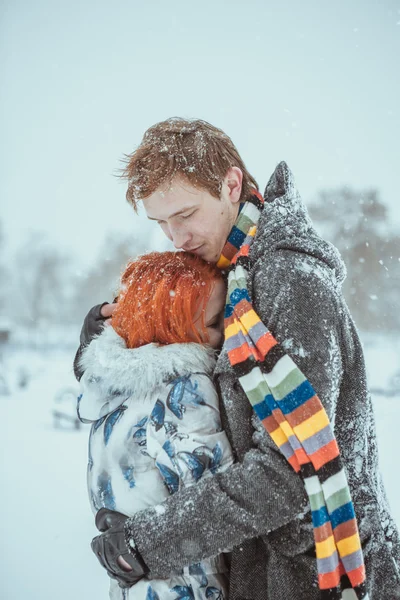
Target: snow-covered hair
[(190, 148), (162, 294)]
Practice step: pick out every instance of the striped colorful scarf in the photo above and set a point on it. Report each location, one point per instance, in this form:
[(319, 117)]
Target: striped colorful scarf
[(294, 417)]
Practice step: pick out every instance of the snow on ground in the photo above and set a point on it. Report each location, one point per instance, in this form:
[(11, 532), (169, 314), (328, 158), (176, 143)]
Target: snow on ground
[(46, 524), (46, 535)]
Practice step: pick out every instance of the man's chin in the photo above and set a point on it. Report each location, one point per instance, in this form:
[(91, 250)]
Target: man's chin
[(210, 259), (206, 254)]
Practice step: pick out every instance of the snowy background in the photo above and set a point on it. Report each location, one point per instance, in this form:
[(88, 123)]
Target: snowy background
[(313, 83), (46, 524)]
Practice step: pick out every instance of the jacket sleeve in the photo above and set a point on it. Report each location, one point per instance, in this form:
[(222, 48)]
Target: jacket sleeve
[(262, 493), (92, 326)]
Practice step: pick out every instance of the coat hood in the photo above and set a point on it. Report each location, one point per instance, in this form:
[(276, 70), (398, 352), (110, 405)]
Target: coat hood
[(113, 372), (286, 225)]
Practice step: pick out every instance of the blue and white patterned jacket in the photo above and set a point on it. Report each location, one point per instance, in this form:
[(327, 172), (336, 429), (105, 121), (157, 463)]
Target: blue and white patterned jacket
[(156, 429)]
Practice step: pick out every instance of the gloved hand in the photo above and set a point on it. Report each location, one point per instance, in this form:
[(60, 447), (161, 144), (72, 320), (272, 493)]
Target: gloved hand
[(111, 545), (92, 326)]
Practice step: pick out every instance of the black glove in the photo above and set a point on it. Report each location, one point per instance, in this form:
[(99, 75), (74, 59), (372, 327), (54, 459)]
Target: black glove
[(92, 326), (112, 544)]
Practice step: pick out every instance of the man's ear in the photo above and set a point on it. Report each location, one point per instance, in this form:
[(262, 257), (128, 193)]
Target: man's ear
[(233, 182)]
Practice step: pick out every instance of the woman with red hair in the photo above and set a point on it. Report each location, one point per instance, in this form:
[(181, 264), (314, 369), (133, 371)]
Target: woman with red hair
[(148, 391), (170, 298)]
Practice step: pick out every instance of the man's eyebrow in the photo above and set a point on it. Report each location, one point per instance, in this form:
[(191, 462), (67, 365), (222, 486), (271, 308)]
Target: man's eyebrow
[(179, 212)]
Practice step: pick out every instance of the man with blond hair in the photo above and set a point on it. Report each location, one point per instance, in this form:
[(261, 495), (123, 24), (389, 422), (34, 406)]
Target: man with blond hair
[(303, 509)]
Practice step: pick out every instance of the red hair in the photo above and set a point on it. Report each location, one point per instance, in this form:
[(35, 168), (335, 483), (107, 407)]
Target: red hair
[(161, 292)]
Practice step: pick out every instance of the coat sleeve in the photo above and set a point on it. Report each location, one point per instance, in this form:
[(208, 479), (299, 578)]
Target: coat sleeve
[(262, 493)]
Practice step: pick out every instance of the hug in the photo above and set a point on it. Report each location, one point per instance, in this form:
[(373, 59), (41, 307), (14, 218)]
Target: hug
[(233, 451)]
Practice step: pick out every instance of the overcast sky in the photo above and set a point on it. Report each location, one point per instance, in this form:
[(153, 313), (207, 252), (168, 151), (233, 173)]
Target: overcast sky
[(314, 83)]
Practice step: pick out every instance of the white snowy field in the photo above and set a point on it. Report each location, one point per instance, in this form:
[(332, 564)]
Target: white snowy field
[(46, 523)]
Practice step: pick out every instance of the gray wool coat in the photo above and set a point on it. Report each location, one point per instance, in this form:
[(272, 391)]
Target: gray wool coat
[(259, 506)]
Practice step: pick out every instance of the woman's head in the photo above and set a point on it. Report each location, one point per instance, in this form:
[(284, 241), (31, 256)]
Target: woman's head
[(170, 297)]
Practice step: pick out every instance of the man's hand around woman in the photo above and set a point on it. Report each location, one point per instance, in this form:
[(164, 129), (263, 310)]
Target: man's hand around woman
[(121, 562)]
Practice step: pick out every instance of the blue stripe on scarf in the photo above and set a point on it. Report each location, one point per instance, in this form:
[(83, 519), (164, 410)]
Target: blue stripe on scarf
[(236, 237), (342, 514), (262, 410), (272, 403), (238, 295), (228, 311), (320, 516), (296, 398)]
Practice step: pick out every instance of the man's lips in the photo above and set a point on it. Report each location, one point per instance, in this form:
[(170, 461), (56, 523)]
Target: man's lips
[(193, 250)]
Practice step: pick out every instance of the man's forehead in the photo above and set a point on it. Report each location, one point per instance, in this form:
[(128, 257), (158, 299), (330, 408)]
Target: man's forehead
[(176, 187), (171, 199)]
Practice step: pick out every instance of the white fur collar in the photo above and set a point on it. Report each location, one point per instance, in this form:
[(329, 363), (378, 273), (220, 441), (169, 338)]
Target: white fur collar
[(113, 372)]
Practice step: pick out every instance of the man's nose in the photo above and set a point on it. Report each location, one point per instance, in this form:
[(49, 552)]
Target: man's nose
[(180, 237)]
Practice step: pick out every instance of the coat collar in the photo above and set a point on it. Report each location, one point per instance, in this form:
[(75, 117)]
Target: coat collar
[(113, 372), (286, 225)]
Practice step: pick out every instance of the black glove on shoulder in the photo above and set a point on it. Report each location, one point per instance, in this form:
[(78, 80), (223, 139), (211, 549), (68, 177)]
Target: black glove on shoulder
[(92, 326), (112, 544)]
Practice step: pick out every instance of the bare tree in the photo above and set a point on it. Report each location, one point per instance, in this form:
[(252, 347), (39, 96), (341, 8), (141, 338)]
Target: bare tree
[(358, 224), (42, 282), (100, 283), (4, 275)]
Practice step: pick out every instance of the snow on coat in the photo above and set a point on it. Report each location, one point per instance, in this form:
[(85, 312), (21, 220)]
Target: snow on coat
[(259, 505), (156, 429)]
